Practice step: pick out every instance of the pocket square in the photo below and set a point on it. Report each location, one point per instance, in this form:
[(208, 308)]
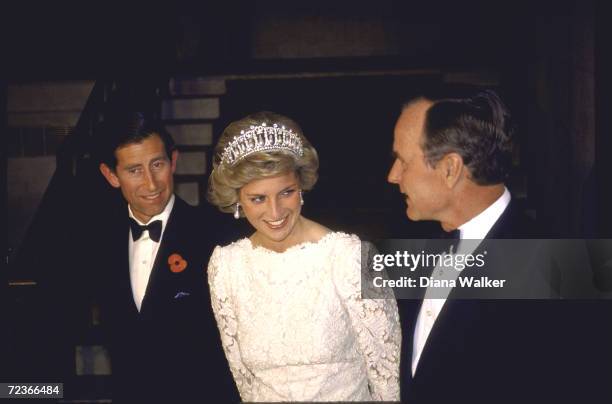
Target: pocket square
[(181, 294)]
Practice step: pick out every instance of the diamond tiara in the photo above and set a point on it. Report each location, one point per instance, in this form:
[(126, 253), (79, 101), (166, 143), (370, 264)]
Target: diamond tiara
[(261, 138)]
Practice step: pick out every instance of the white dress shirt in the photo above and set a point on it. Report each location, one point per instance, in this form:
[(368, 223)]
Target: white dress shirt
[(474, 229), (143, 252)]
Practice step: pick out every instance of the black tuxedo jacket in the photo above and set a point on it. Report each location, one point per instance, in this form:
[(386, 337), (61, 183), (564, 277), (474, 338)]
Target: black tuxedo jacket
[(170, 351), (508, 351)]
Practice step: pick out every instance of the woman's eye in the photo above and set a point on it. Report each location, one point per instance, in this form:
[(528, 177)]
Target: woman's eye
[(288, 192), (257, 199)]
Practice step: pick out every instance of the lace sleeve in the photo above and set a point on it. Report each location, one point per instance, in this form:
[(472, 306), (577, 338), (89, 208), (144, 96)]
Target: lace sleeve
[(376, 322), (227, 324)]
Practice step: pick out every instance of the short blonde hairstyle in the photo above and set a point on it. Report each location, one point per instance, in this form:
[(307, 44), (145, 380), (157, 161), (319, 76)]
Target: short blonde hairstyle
[(226, 180)]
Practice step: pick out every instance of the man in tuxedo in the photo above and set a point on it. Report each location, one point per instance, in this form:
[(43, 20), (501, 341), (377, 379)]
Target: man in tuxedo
[(452, 157), (164, 342)]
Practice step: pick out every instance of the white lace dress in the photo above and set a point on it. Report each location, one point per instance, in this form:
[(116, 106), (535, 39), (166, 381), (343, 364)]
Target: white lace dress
[(293, 325)]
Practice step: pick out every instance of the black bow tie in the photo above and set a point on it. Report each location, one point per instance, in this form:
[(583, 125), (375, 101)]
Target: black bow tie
[(452, 235), (154, 229), (451, 240)]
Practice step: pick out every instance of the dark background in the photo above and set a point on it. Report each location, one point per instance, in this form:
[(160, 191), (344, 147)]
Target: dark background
[(547, 60)]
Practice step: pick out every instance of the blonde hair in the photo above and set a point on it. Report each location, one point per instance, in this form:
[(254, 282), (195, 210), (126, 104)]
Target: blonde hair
[(225, 180)]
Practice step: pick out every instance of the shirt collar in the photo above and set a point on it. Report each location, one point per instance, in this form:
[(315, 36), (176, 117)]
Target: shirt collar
[(478, 227), (163, 216)]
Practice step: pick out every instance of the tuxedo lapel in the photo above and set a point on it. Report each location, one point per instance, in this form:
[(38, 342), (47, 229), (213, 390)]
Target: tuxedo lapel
[(161, 278), (452, 328), (165, 286)]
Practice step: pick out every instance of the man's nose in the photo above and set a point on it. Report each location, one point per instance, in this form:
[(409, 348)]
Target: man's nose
[(150, 181), (393, 176)]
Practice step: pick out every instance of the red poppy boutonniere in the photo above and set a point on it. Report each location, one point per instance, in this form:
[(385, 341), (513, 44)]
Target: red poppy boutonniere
[(176, 263)]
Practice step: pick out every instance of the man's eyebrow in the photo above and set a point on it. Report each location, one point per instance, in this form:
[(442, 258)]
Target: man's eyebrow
[(129, 167)]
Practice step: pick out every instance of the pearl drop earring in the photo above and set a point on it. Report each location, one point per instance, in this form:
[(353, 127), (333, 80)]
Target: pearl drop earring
[(237, 211)]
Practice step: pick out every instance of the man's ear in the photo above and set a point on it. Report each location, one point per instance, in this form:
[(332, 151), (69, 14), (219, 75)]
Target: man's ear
[(110, 175), (173, 160), (453, 168)]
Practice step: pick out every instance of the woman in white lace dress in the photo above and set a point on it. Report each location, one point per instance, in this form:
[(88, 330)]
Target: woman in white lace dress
[(287, 299)]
